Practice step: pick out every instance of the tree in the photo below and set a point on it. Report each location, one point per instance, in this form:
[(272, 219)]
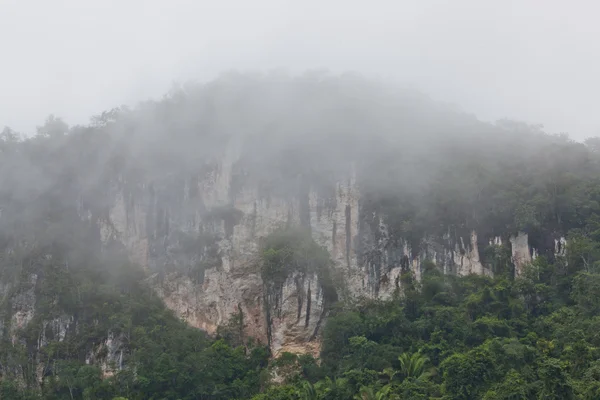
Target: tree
[(308, 391), (586, 292), (556, 383), (513, 387), (368, 393), (8, 135), (465, 375), (593, 143), (414, 366), (53, 127)]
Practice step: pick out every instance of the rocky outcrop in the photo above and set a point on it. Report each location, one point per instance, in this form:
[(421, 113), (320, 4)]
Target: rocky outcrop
[(108, 354), (23, 307), (295, 314), (521, 252), (209, 304), (28, 328), (199, 233), (199, 236), (230, 278), (55, 329)]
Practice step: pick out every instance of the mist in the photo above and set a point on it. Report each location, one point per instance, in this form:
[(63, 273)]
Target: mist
[(506, 60), (199, 199), (284, 137)]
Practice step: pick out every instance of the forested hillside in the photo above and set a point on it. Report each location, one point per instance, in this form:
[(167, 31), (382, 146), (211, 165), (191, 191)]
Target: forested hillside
[(361, 202)]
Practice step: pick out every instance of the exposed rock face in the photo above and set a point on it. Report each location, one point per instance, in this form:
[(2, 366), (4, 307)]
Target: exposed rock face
[(295, 318), (23, 307), (211, 303), (560, 246), (200, 236), (57, 327), (108, 354), (521, 252)]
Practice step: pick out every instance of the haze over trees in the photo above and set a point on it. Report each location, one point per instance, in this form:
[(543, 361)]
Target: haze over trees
[(426, 170)]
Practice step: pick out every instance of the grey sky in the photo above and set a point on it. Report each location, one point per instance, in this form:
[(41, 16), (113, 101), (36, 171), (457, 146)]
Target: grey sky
[(533, 60)]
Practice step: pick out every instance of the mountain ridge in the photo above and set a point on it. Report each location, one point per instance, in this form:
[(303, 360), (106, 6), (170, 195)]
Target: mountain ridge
[(193, 187)]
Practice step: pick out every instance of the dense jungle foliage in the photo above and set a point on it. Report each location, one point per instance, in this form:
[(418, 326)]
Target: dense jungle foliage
[(531, 337), (425, 169)]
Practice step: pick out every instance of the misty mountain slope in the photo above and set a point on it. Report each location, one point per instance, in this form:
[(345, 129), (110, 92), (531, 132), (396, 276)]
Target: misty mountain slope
[(222, 193)]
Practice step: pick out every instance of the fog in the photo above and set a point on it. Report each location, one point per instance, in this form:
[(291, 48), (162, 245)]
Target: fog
[(285, 137), (525, 60)]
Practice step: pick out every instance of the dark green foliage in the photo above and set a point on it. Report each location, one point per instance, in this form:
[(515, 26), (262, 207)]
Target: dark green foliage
[(158, 356), (233, 331), (422, 170), (228, 214), (498, 257), (445, 337), (293, 250), (500, 338)]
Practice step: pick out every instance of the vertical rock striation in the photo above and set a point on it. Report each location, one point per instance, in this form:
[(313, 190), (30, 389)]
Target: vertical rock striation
[(199, 235)]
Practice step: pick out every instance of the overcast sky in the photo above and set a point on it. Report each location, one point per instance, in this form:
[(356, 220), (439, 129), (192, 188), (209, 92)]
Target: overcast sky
[(537, 61)]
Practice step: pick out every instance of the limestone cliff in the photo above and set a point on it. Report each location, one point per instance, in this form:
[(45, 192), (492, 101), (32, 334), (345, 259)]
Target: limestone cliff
[(199, 237), (107, 352), (190, 187)]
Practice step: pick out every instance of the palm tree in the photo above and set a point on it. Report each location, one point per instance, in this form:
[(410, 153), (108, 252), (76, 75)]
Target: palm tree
[(365, 393), (413, 366), (308, 392), (368, 393), (390, 374), (331, 387)]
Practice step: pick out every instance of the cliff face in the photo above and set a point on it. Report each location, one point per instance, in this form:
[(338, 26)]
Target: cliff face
[(201, 248), (193, 187), (25, 311), (199, 237)]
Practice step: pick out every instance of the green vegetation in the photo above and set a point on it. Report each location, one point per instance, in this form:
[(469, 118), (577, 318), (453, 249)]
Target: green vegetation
[(293, 250), (77, 320), (229, 215), (532, 337), (519, 180), (154, 354), (292, 253)]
